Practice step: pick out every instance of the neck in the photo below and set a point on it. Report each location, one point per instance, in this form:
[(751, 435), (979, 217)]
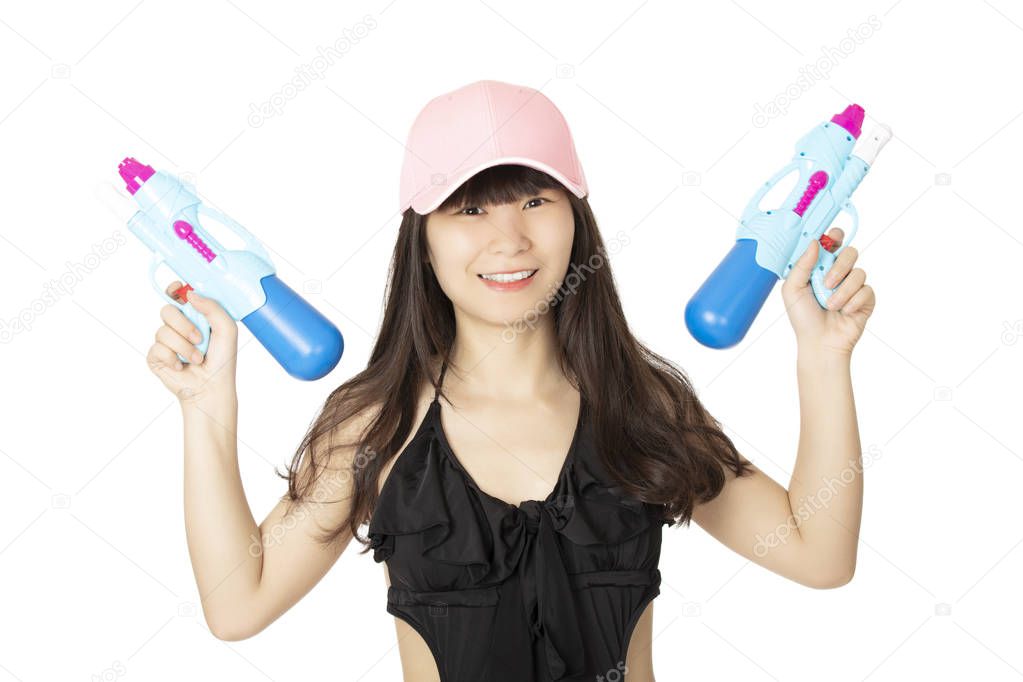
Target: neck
[(511, 362)]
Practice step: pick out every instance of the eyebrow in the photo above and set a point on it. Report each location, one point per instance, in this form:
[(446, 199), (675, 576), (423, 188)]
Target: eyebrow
[(528, 196)]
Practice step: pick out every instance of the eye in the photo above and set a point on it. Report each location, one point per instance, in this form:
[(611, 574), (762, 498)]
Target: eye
[(477, 208)]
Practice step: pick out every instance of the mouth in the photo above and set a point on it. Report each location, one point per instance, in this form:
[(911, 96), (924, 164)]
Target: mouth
[(507, 277)]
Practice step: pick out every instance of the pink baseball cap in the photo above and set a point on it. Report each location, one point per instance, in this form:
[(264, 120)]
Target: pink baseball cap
[(479, 125)]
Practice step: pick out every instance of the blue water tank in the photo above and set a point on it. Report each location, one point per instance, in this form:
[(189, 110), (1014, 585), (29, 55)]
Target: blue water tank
[(721, 312), (305, 343)]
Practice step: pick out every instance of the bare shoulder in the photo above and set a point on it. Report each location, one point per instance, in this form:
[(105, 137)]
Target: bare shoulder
[(336, 445)]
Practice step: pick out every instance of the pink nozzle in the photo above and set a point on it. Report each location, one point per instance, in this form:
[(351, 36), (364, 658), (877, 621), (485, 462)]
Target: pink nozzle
[(134, 173), (851, 119)]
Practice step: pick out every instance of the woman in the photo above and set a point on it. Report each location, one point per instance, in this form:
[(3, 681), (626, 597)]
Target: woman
[(514, 448)]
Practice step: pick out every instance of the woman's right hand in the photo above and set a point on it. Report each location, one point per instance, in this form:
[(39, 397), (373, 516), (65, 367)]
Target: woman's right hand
[(204, 381)]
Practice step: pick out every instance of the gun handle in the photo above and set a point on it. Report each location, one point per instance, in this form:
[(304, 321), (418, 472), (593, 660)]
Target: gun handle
[(825, 258), (193, 315)]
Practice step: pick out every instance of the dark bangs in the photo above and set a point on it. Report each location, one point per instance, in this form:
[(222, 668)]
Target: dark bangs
[(500, 185)]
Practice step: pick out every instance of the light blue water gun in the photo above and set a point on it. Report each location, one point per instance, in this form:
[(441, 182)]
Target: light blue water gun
[(243, 281), (769, 242)]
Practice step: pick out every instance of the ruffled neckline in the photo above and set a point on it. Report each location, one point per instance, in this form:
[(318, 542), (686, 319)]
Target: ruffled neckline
[(434, 417), (427, 492)]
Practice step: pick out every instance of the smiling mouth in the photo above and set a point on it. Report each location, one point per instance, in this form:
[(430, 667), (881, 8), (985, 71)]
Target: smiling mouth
[(508, 276)]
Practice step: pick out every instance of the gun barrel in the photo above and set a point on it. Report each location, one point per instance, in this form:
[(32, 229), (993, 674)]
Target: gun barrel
[(867, 148)]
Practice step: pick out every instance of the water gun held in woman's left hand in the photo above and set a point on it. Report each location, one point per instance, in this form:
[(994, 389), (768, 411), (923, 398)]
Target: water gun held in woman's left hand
[(243, 281), (769, 241)]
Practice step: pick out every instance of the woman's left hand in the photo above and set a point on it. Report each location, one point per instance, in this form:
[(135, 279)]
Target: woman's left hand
[(838, 328)]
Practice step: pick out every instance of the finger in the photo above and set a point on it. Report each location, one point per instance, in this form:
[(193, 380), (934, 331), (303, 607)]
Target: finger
[(176, 320), (850, 285), (837, 235), (178, 343), (863, 298), (172, 288), (841, 267), (162, 357), (220, 321)]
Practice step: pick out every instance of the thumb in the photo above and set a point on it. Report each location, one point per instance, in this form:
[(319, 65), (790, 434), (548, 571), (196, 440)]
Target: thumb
[(213, 312), (802, 268)]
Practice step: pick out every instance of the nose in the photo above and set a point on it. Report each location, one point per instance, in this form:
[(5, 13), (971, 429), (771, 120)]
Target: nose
[(508, 231)]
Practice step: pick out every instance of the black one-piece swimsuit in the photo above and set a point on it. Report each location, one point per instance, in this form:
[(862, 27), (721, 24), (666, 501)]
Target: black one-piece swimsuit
[(536, 592)]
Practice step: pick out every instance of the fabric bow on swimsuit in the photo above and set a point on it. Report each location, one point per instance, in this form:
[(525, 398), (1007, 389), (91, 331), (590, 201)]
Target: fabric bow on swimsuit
[(547, 594)]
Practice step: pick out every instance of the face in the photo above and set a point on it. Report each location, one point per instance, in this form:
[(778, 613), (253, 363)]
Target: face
[(532, 235)]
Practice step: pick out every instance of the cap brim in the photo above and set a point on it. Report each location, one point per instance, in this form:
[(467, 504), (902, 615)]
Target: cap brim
[(427, 201)]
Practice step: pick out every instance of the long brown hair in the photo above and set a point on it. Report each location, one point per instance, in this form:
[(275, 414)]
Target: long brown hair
[(655, 437)]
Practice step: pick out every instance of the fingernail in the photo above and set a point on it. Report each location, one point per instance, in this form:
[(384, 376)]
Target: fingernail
[(197, 357)]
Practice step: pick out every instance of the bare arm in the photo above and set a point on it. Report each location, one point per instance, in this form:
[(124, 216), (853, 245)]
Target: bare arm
[(249, 575), (809, 532)]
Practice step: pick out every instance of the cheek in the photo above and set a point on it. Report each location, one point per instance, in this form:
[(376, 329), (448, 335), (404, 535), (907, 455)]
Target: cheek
[(453, 250), (554, 239)]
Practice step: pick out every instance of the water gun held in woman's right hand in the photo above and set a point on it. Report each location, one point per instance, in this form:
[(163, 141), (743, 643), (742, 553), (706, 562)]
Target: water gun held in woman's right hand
[(769, 242), (243, 281)]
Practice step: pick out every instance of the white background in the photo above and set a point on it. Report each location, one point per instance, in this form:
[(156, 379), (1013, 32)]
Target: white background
[(94, 573)]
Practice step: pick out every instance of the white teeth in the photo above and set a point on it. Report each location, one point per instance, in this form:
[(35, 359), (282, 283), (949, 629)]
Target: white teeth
[(509, 277)]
